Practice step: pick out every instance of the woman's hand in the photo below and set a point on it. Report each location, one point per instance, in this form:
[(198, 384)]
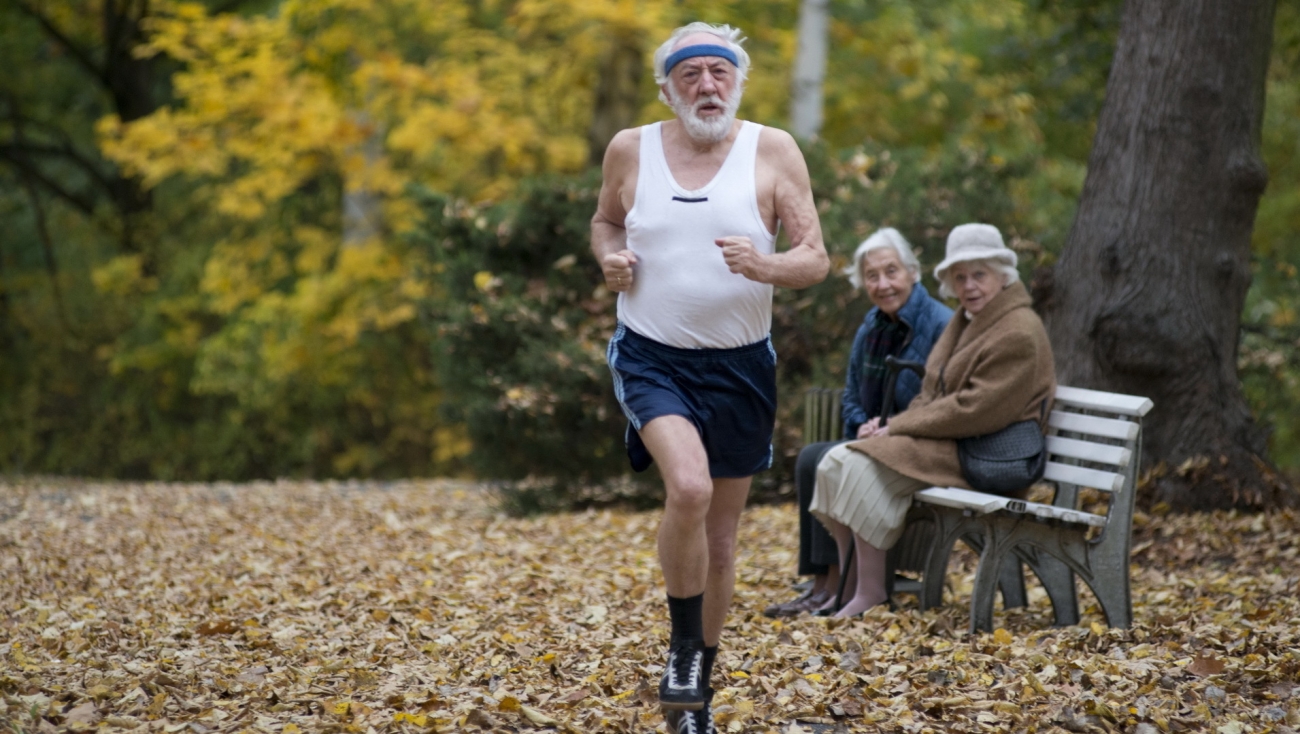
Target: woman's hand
[(868, 429), (872, 428)]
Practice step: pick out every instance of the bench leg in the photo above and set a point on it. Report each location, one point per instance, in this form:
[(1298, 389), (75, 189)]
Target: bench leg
[(986, 581), (1112, 592), (1011, 579), (1058, 581), (1011, 582), (936, 568)]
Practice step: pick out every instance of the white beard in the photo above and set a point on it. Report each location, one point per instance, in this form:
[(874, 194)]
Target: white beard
[(711, 129)]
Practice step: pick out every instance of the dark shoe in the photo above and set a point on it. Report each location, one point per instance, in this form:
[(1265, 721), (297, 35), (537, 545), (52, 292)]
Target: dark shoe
[(682, 687), (692, 722), (795, 607)]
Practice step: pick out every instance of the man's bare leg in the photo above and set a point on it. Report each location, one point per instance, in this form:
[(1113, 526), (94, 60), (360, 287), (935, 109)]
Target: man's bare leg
[(723, 520), (683, 557), (683, 547)]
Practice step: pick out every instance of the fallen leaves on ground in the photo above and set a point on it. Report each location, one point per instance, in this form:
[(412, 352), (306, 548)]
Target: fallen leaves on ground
[(413, 607)]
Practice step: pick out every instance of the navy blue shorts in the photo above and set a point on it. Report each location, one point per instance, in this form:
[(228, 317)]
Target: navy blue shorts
[(728, 394)]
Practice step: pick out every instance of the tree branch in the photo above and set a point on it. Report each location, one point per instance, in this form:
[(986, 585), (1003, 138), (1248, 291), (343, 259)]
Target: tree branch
[(65, 151), (83, 58), (19, 152), (30, 173), (47, 247)]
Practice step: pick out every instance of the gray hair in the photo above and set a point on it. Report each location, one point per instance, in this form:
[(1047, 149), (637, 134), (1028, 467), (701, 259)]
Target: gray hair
[(887, 237), (730, 37), (1009, 275)]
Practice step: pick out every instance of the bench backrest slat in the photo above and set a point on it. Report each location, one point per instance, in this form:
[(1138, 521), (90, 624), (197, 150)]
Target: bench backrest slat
[(1107, 402), (1100, 453), (1093, 425), (1081, 477)]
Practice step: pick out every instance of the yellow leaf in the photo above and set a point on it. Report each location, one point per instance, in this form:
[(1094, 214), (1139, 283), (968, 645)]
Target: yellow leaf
[(509, 703), (1002, 637)]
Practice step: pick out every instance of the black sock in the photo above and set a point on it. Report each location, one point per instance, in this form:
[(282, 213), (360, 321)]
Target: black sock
[(710, 654), (687, 616)]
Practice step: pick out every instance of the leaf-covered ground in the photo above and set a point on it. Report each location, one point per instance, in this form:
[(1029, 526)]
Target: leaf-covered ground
[(300, 607)]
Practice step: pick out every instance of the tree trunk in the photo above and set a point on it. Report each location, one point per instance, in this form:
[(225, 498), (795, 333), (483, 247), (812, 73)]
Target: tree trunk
[(363, 213), (809, 69), (1148, 293), (618, 95)]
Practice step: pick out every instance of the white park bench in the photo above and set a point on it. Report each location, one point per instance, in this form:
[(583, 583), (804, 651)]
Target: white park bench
[(1094, 441)]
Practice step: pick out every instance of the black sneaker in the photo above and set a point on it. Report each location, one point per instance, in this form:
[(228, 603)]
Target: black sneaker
[(683, 685), (691, 722)]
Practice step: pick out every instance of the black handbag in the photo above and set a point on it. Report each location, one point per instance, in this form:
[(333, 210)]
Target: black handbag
[(1004, 462)]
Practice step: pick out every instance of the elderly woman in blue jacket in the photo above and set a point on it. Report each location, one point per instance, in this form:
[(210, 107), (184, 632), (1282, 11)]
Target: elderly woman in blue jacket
[(905, 322)]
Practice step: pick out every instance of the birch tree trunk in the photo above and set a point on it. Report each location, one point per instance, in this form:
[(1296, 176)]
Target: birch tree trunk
[(810, 68), (1148, 294)]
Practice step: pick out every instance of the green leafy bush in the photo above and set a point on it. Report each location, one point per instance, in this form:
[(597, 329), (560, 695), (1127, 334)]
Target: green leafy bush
[(521, 322)]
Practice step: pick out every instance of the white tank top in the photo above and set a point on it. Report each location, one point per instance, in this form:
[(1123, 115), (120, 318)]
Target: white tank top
[(682, 294)]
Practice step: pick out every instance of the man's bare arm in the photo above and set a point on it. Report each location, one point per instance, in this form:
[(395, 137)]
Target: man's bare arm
[(791, 205), (806, 262), (608, 232)]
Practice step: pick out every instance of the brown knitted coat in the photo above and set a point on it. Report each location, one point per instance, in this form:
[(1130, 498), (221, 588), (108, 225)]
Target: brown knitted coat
[(996, 369)]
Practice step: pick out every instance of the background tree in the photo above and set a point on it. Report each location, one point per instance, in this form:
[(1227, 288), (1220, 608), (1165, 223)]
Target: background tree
[(1147, 297), (809, 69)]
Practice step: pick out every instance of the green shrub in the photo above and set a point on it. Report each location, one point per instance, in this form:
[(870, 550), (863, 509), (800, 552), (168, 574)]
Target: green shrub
[(521, 326)]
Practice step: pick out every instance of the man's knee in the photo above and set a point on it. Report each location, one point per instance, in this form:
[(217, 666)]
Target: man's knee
[(690, 494)]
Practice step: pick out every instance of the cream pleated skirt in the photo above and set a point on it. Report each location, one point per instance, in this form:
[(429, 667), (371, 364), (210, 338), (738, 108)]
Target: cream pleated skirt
[(864, 494)]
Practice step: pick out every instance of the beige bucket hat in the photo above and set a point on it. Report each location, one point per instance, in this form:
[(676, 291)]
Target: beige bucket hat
[(968, 242)]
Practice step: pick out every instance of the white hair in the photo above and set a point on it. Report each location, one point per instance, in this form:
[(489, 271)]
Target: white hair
[(730, 37), (1009, 274), (887, 237)]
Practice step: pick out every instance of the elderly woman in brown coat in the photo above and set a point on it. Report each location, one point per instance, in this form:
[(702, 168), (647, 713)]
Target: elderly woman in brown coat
[(991, 367)]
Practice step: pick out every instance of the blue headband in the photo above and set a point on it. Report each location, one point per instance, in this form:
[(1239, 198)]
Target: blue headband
[(703, 49)]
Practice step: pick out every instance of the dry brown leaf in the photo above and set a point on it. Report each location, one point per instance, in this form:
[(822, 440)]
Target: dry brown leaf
[(80, 717), (574, 696), (481, 719), (1206, 665), (216, 627)]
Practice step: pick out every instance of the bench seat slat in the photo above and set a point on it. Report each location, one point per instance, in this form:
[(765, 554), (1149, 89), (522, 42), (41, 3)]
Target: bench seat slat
[(1108, 402), (1116, 456), (1092, 425), (965, 499), (1079, 476)]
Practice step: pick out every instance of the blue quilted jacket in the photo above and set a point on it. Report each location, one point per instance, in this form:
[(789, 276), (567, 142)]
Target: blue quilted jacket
[(926, 317)]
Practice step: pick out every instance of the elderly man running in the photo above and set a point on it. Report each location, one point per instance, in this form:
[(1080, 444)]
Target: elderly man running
[(685, 232)]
